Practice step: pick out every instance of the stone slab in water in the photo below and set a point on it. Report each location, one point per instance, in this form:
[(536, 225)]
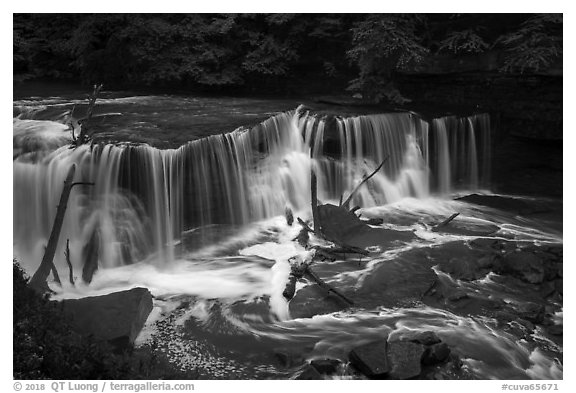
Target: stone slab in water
[(436, 353), (371, 359), (309, 373), (397, 283), (515, 205), (405, 358), (427, 337), (325, 366), (343, 226), (313, 300), (524, 265), (117, 317)]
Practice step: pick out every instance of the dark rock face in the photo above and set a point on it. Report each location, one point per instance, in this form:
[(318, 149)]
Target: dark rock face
[(405, 359), (468, 269), (397, 283), (325, 366), (531, 312), (117, 317), (288, 358), (559, 285), (309, 373), (436, 353), (343, 226), (371, 359), (313, 300), (556, 330), (424, 338), (524, 265)]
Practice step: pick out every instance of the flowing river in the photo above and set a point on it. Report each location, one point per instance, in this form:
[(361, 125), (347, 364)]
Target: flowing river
[(189, 198)]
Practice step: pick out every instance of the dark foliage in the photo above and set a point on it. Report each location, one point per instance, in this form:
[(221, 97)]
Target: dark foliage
[(46, 348), (273, 52)]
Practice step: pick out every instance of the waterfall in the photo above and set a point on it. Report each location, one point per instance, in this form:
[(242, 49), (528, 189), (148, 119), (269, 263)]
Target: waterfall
[(144, 198)]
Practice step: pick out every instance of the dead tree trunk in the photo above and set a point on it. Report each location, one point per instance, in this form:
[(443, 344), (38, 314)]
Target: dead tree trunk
[(38, 281), (314, 196), (84, 135), (364, 180), (445, 222), (67, 255), (90, 255)]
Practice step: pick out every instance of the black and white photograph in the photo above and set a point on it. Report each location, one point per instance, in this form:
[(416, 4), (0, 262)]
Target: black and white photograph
[(287, 196)]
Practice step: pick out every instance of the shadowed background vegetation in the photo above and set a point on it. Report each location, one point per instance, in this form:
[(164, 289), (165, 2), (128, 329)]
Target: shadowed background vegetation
[(280, 53)]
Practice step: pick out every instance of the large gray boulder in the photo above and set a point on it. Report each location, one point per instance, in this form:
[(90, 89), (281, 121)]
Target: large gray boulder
[(405, 359), (370, 359), (117, 317)]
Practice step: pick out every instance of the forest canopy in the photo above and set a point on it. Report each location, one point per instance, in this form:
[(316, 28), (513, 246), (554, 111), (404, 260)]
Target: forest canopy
[(275, 52)]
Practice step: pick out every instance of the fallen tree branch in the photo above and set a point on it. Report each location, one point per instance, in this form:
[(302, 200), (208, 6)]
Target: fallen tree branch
[(445, 222), (38, 281), (304, 225), (67, 255), (56, 275), (289, 216), (327, 287), (84, 136), (296, 272), (364, 180), (83, 183)]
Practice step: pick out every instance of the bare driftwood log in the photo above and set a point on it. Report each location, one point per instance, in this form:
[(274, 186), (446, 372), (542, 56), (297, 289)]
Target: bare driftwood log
[(364, 180), (297, 271), (84, 135), (56, 275), (289, 216), (309, 272), (445, 222), (38, 280), (304, 225), (90, 254), (67, 255)]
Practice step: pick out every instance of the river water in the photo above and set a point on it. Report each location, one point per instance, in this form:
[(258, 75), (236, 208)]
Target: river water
[(189, 202)]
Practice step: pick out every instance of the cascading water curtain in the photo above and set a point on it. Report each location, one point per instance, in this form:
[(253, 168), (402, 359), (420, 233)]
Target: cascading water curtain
[(144, 198)]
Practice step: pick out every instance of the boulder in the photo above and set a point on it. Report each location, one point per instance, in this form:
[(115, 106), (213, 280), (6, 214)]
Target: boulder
[(405, 359), (401, 282), (117, 317), (325, 366), (467, 269), (371, 359), (308, 373), (314, 300), (425, 338), (524, 265), (532, 312), (288, 358), (342, 226), (436, 353)]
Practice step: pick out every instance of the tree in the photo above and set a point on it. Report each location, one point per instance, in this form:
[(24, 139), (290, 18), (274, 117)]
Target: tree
[(382, 44), (535, 45)]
